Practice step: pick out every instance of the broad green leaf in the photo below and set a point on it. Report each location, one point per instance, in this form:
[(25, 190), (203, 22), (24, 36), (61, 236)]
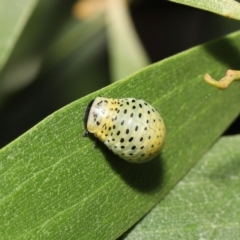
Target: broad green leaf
[(127, 54), (226, 8), (205, 205), (55, 185)]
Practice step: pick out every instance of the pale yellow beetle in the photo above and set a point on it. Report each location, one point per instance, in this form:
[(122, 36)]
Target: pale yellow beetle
[(130, 127)]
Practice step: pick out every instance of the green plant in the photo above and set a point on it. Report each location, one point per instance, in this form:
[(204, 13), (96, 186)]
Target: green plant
[(54, 185)]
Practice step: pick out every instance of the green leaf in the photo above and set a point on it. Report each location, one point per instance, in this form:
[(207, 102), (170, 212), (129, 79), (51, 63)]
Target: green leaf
[(55, 185), (14, 21), (28, 28), (74, 62), (75, 35), (127, 54), (226, 8), (14, 16), (205, 205)]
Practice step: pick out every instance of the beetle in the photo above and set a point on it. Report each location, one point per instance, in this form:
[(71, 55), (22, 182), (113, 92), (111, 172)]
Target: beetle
[(130, 127)]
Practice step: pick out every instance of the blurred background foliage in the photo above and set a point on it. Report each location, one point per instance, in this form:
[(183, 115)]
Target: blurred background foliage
[(59, 51)]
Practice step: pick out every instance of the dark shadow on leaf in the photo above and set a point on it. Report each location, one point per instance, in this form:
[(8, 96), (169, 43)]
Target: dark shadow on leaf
[(146, 177), (224, 51)]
